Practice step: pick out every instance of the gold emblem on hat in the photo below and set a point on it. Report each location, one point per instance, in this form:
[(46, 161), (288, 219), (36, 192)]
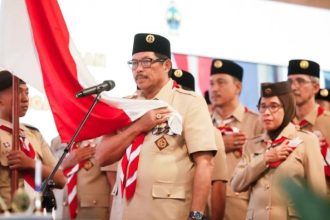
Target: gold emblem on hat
[(178, 73), (218, 64), (150, 38), (304, 64), (324, 92), (268, 91), (161, 143)]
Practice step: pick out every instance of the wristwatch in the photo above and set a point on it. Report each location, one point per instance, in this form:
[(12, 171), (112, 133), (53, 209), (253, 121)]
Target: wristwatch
[(196, 215)]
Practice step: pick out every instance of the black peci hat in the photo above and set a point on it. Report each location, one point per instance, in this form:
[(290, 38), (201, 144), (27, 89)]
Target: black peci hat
[(151, 42), (275, 89), (183, 78), (6, 80), (221, 66), (323, 94), (307, 67)]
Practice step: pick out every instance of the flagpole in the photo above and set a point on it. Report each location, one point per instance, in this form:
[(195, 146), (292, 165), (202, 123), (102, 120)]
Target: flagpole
[(15, 134)]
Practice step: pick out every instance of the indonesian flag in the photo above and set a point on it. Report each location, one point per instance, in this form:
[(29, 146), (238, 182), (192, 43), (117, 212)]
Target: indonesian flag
[(35, 45)]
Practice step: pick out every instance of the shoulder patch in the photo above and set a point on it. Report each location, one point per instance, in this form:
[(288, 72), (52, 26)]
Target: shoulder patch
[(31, 127), (183, 91)]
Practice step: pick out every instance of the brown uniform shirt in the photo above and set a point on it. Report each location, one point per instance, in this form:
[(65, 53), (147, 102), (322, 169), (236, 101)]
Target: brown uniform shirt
[(267, 199), (248, 122), (38, 143), (318, 123), (93, 192), (165, 177)]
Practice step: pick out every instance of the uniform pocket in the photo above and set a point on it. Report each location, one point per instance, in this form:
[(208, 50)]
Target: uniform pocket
[(168, 191)]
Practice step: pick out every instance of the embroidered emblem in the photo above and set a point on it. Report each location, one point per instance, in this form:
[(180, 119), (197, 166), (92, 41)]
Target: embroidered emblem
[(150, 38), (178, 73), (161, 143), (218, 64), (304, 64)]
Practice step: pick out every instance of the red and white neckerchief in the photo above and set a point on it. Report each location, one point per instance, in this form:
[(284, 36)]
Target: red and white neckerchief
[(226, 129), (27, 149), (72, 174), (130, 163), (326, 156), (304, 122), (324, 145), (292, 143), (129, 167)]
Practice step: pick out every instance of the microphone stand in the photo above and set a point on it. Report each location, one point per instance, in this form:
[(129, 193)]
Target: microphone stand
[(48, 198)]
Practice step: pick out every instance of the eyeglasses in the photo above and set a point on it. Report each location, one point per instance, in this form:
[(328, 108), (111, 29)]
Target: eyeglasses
[(145, 63), (299, 81), (273, 107)]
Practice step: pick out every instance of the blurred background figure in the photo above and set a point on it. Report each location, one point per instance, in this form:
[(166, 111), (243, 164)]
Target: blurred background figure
[(322, 98), (87, 192)]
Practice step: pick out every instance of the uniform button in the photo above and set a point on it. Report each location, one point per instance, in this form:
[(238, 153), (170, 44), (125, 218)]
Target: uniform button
[(168, 195), (236, 194), (94, 202), (267, 208), (267, 186)]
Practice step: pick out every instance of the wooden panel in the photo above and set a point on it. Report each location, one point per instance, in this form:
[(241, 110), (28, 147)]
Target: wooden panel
[(314, 3)]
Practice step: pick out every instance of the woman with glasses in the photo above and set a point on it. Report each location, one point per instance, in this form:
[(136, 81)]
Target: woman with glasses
[(282, 152)]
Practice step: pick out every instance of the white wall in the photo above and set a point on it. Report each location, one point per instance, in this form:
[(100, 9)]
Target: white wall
[(247, 30)]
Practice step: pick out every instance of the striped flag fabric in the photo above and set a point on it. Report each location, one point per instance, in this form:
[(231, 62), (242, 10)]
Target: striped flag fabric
[(35, 45)]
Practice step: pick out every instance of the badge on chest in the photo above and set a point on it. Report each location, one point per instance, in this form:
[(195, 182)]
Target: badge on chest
[(161, 143)]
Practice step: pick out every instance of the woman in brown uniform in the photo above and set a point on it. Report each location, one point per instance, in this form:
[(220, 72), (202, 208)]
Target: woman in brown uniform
[(281, 152)]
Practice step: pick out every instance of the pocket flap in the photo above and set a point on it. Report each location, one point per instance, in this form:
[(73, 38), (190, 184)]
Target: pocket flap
[(170, 191)]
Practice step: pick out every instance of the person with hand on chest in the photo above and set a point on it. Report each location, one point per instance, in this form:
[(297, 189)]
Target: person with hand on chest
[(236, 124), (283, 151), (163, 175), (303, 76)]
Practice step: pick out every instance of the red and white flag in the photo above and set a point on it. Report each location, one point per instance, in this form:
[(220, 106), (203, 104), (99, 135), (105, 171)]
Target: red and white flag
[(35, 45)]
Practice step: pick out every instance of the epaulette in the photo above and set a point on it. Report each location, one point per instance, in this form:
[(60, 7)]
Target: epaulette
[(187, 92), (31, 127)]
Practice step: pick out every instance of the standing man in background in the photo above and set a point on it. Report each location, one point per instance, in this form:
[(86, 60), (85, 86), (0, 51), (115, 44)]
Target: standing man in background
[(172, 173), (216, 202), (32, 144), (92, 194), (236, 124), (303, 76), (323, 98)]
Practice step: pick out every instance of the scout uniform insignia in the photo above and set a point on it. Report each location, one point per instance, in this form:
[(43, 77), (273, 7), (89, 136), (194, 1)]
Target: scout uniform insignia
[(161, 143)]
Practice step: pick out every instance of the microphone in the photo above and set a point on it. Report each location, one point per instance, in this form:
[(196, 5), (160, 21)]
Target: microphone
[(105, 86)]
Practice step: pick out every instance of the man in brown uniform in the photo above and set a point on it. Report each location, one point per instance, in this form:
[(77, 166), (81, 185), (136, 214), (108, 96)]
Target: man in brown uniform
[(236, 123), (34, 144), (216, 202), (304, 78), (172, 175), (93, 189)]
